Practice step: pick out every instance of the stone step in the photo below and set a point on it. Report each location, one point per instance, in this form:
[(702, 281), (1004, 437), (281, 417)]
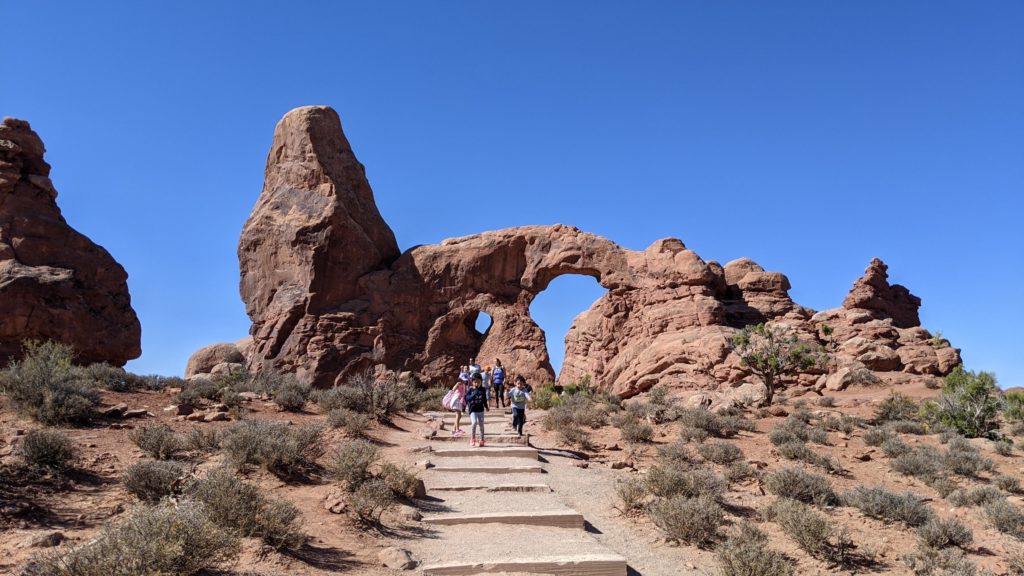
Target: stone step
[(497, 438), (487, 452), (538, 469), (557, 518), (441, 481), (500, 549), (492, 488)]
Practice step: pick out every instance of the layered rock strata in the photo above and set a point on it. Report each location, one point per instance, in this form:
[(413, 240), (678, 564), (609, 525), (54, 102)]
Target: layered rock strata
[(55, 284), (329, 294)]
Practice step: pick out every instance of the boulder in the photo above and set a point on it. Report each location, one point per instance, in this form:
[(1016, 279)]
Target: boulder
[(396, 558), (206, 359), (55, 283), (848, 376)]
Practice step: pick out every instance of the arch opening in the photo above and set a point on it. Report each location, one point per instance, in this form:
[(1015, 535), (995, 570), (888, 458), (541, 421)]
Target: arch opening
[(556, 307), (483, 323)]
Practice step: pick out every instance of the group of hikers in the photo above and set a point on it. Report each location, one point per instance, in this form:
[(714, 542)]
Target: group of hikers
[(476, 387)]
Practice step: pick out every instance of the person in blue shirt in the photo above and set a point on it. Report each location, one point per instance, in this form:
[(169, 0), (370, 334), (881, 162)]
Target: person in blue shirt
[(476, 404), (498, 384)]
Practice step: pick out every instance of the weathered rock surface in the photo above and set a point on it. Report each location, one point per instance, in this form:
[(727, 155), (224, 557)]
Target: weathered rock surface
[(55, 284), (208, 358), (329, 295)]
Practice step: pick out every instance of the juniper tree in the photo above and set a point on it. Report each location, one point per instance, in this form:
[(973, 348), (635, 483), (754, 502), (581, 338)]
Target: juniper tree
[(772, 352)]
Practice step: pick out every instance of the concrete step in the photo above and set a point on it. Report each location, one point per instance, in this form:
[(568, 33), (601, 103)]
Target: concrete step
[(501, 549), (496, 438), (556, 518), (487, 452), (491, 488), (444, 480), (538, 469)]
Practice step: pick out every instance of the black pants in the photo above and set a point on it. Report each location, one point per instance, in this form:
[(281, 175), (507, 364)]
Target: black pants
[(499, 395), (518, 419)]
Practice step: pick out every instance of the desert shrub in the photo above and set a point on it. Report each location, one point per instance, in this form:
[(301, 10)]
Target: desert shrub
[(690, 434), (963, 459), (279, 448), (43, 386), (896, 407), (1013, 406), (720, 452), (797, 450), (231, 399), (202, 439), (893, 447), (944, 486), (378, 398), (689, 520), (634, 431), (151, 481), (575, 409), (927, 561), (1003, 448), (572, 434), (906, 427), (845, 424), (667, 481), (711, 424), (46, 448), (112, 378), (799, 485), (746, 553), (826, 401), (1015, 563), (876, 436), (351, 422), (291, 396), (939, 533), (157, 382), (772, 352), (1005, 517), (923, 462), (877, 502), (371, 500), (196, 390), (968, 404), (169, 538), (337, 397), (242, 507), (739, 471), (812, 531), (351, 461), (658, 407), (976, 496), (676, 454), (157, 440), (402, 482), (796, 427), (631, 494), (1007, 483)]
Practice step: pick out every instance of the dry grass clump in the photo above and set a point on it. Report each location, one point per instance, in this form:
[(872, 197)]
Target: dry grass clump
[(699, 423), (720, 452), (666, 481), (571, 417), (944, 486), (401, 481), (279, 448), (370, 494), (351, 422), (799, 485), (1003, 448), (151, 481), (203, 440), (194, 391), (924, 462), (291, 395), (157, 440), (876, 436), (845, 424), (812, 531), (242, 508), (689, 520), (1005, 517), (746, 553), (379, 398), (963, 459), (169, 538), (371, 500), (893, 447), (797, 450), (977, 496), (896, 407), (938, 533), (632, 496), (350, 463), (927, 561), (1007, 483), (877, 502), (739, 471), (635, 431), (46, 448)]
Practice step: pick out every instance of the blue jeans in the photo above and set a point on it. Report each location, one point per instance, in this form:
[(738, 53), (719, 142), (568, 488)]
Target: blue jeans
[(476, 419)]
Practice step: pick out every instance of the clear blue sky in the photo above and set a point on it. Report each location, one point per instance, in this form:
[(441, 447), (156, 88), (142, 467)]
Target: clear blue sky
[(809, 136)]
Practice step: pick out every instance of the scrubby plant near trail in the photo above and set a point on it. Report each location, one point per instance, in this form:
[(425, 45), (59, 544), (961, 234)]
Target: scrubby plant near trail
[(242, 508), (812, 531), (939, 533), (927, 561), (797, 484), (746, 553), (797, 450), (169, 538), (280, 449), (47, 448), (380, 398), (631, 496), (969, 404), (633, 429), (44, 386), (291, 395), (944, 486), (878, 502), (923, 462), (1003, 448), (401, 481), (371, 500), (353, 423), (896, 406), (372, 486), (689, 520), (150, 481), (665, 481), (977, 496), (1005, 517), (700, 423), (203, 439), (772, 352), (720, 452), (963, 459), (876, 436), (797, 427), (157, 440)]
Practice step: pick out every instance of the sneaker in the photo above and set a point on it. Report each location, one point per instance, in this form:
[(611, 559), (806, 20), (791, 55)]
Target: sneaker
[(481, 443), (458, 432), (472, 442)]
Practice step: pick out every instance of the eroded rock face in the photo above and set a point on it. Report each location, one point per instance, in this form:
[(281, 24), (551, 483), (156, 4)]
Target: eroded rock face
[(329, 294), (55, 284)]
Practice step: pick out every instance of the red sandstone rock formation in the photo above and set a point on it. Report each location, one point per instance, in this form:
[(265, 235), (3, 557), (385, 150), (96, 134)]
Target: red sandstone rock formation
[(329, 295), (55, 284)]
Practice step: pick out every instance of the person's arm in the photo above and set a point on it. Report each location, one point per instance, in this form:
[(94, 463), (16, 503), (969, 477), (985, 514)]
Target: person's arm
[(528, 397)]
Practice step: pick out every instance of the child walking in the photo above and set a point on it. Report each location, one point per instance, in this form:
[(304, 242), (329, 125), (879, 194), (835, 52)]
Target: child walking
[(458, 404), (476, 403), (518, 397)]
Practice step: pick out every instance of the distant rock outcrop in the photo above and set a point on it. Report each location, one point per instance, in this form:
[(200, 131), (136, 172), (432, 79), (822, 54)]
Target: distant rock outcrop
[(55, 284), (329, 295)]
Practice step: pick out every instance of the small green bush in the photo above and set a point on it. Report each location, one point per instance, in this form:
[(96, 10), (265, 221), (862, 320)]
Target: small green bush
[(746, 553), (720, 452), (279, 448), (157, 440), (927, 561), (371, 500), (634, 431), (351, 461), (1005, 517), (876, 436), (402, 482), (632, 496), (45, 448), (169, 538), (896, 407), (1007, 483), (667, 481), (689, 520), (813, 532), (924, 462), (351, 422), (976, 496), (799, 485), (938, 533), (797, 450), (969, 403), (44, 386), (151, 481), (877, 502), (203, 439), (1013, 406)]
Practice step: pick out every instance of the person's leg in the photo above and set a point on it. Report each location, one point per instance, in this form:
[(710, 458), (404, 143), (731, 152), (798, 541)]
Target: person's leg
[(458, 420), (481, 428), (474, 419)]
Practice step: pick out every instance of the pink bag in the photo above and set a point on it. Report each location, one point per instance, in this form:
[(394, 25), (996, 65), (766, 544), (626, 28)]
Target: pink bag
[(449, 399)]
